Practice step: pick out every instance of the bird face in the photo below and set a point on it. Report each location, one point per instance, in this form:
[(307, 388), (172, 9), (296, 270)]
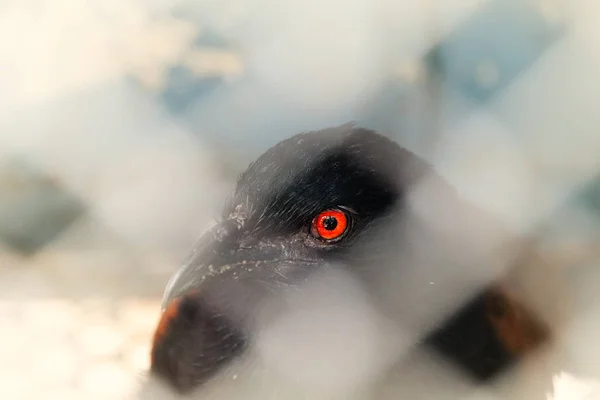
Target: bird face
[(337, 251)]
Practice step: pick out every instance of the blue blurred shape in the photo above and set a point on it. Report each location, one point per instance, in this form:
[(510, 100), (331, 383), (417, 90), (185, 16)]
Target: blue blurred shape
[(492, 47), (184, 88), (34, 208), (589, 195), (211, 38)]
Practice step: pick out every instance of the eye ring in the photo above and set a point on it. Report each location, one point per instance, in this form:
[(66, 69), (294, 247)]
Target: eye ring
[(330, 225)]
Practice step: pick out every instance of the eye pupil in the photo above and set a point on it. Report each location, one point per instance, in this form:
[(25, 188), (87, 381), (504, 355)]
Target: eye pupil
[(330, 223)]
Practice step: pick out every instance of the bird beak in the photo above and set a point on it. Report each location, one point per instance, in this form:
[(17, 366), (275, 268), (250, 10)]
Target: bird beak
[(210, 304), (200, 328)]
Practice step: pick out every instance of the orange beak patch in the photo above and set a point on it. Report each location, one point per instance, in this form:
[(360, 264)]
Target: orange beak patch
[(166, 318)]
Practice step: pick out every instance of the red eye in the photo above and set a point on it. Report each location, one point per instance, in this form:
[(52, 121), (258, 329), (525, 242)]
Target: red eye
[(330, 224)]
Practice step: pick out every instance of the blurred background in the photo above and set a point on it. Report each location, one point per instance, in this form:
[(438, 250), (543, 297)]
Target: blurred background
[(123, 126)]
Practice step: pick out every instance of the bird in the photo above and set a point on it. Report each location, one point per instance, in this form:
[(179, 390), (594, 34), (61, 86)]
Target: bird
[(338, 256)]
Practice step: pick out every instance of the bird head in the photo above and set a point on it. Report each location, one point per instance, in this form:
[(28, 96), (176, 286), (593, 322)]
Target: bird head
[(337, 251)]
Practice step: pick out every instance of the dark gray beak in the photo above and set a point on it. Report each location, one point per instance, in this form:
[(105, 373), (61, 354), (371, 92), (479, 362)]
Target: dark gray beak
[(201, 329), (210, 304)]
